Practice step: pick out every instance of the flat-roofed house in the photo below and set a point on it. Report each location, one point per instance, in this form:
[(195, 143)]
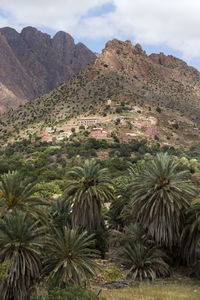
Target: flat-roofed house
[(98, 133), (129, 136), (87, 121), (151, 131)]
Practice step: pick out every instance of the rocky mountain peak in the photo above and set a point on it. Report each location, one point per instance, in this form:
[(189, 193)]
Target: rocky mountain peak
[(169, 61), (9, 33), (138, 50), (30, 32), (63, 37), (121, 47), (117, 46), (32, 63), (121, 56)]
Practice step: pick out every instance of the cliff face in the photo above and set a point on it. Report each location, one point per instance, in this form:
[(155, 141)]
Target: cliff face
[(32, 63)]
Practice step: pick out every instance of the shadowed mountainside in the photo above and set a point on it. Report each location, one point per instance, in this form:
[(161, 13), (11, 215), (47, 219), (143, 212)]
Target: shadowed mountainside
[(32, 63)]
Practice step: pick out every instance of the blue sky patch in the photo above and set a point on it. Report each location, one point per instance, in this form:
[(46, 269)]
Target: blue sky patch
[(100, 10)]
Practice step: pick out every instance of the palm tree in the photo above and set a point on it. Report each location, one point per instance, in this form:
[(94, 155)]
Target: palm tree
[(121, 200), (20, 244), (160, 194), (134, 232), (69, 257), (18, 193), (88, 187), (142, 262), (137, 254), (60, 213), (190, 238)]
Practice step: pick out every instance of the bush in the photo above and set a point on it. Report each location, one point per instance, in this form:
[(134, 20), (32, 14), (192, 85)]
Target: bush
[(118, 110), (117, 121), (175, 125), (158, 109), (70, 293)]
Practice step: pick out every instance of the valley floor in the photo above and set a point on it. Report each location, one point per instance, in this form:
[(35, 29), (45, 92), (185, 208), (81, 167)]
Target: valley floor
[(155, 292), (176, 287)]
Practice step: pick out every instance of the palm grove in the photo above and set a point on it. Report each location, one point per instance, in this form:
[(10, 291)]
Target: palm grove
[(151, 226)]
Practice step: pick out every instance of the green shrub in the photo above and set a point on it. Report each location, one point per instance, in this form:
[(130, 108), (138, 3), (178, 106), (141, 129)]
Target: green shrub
[(118, 110), (70, 293), (158, 109)]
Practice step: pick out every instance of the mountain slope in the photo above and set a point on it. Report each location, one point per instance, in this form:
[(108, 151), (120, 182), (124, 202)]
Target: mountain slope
[(122, 73), (32, 63)]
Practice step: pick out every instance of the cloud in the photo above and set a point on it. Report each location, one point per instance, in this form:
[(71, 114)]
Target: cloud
[(174, 23)]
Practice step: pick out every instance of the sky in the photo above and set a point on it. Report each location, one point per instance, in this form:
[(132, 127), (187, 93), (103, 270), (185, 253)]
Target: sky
[(169, 26)]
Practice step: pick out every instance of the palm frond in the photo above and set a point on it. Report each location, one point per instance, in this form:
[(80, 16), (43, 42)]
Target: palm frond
[(70, 257), (20, 244), (160, 194)]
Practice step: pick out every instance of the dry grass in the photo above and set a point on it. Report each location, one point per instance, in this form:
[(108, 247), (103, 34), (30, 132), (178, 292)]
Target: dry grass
[(176, 287), (160, 292)]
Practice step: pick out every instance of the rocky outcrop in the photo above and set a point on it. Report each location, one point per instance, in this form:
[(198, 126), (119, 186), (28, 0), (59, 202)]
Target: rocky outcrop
[(160, 79), (32, 63)]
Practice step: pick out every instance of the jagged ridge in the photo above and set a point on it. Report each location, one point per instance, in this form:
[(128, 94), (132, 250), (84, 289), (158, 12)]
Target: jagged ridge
[(32, 63)]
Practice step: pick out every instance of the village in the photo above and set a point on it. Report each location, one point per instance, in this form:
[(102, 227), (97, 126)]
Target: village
[(126, 127)]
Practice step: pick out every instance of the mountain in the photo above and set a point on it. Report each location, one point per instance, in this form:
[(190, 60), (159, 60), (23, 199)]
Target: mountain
[(32, 63), (161, 86)]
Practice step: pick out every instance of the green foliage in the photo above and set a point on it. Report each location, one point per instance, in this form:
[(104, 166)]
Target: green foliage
[(158, 109), (140, 257), (143, 262), (20, 243), (88, 186), (117, 121), (114, 215), (119, 110), (160, 193), (156, 193), (69, 293), (60, 213), (18, 193), (175, 125), (49, 188), (190, 238), (116, 139), (4, 270), (101, 239), (69, 257)]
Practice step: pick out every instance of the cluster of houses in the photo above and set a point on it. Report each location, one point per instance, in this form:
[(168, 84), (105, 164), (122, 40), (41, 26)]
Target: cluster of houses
[(98, 133), (51, 133), (101, 133)]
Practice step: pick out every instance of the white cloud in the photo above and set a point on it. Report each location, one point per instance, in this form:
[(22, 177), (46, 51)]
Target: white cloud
[(57, 15), (175, 23)]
